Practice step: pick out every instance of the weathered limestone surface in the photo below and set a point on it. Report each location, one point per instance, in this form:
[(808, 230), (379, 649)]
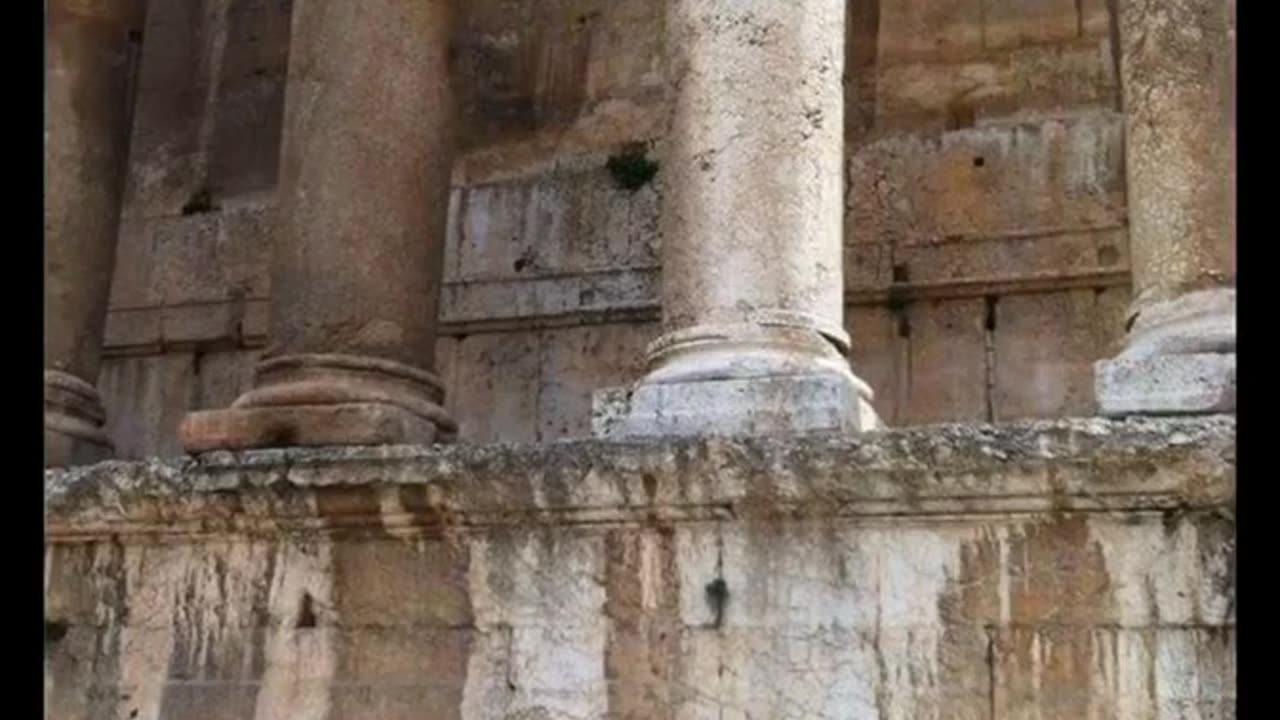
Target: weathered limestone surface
[(945, 136), (89, 75), (1178, 77), (1058, 569), (752, 281)]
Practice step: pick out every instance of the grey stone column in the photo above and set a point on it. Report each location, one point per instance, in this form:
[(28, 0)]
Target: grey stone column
[(753, 287), (87, 111), (1177, 62), (358, 253)]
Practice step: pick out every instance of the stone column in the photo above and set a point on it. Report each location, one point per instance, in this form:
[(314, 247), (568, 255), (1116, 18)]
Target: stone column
[(86, 128), (358, 254), (1177, 63), (753, 287)]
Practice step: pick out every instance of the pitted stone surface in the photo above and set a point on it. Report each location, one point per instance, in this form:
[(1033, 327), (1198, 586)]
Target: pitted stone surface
[(1032, 569)]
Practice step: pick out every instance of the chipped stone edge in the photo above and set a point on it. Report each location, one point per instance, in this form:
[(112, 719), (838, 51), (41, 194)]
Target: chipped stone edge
[(1076, 465)]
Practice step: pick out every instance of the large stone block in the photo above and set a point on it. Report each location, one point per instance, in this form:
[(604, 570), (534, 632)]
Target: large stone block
[(1167, 384), (919, 29), (1037, 80), (578, 361), (946, 363), (496, 387), (1045, 347), (1020, 179)]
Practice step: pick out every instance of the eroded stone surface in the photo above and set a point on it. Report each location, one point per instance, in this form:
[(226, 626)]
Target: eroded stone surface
[(1043, 567)]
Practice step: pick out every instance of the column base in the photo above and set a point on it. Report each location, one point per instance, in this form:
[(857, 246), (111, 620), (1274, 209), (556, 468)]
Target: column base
[(74, 432), (1201, 383), (325, 400), (1180, 359), (253, 428), (746, 379), (820, 403)]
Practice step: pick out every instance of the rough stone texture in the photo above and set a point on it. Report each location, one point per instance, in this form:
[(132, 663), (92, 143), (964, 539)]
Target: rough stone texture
[(1177, 60), (549, 92), (1167, 384), (1049, 569), (1178, 63), (786, 404)]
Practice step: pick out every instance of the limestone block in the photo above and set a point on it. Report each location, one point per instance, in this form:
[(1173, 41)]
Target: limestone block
[(578, 361), (553, 223), (1167, 384), (1009, 23), (1095, 18), (1023, 179), (496, 387), (1012, 257), (878, 355), (1027, 81), (946, 361), (777, 405), (145, 398), (1056, 673), (222, 376), (1045, 347), (247, 114), (134, 283), (422, 583), (914, 29)]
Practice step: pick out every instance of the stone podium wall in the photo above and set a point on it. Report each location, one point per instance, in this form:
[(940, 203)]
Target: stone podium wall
[(1053, 570), (986, 244)]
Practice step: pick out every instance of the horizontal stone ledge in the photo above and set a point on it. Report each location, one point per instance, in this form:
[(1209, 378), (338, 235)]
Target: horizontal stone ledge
[(478, 307), (1171, 465)]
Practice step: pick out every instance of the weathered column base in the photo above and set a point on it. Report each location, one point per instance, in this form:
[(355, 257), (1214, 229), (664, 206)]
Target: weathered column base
[(1181, 360), (739, 381), (74, 432), (322, 400)]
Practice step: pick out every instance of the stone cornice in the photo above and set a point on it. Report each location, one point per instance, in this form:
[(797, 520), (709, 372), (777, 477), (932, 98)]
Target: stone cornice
[(1075, 465)]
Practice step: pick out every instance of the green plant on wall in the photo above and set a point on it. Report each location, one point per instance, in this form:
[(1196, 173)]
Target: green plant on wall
[(632, 169)]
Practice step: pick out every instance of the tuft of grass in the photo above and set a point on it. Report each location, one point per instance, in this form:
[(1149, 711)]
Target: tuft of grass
[(632, 169)]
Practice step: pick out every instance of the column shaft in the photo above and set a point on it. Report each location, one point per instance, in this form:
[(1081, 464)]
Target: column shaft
[(752, 227), (358, 254), (87, 113), (1177, 63)]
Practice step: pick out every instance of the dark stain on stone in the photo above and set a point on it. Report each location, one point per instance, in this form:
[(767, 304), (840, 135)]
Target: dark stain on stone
[(632, 169), (200, 202), (718, 599), (306, 612), (54, 631)]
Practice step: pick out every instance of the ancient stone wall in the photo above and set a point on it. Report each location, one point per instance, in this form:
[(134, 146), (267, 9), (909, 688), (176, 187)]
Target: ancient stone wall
[(986, 262), (1056, 570)]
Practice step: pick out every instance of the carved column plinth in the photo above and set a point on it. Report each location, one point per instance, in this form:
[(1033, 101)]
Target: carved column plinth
[(1177, 60), (752, 288), (358, 249), (87, 111)]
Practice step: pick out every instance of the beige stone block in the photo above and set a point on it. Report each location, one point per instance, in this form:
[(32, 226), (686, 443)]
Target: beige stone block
[(134, 284), (1095, 18), (390, 583), (1010, 23), (247, 114), (221, 701), (222, 376), (1112, 307), (139, 328), (946, 362), (1034, 257), (1028, 81), (569, 221), (878, 355), (913, 29), (1045, 348), (244, 248), (187, 267), (404, 656), (578, 361), (146, 398), (1060, 672), (375, 701), (496, 387), (834, 671), (1020, 179)]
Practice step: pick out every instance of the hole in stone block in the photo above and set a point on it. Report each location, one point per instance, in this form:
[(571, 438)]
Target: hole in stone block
[(990, 320), (979, 161), (307, 612)]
